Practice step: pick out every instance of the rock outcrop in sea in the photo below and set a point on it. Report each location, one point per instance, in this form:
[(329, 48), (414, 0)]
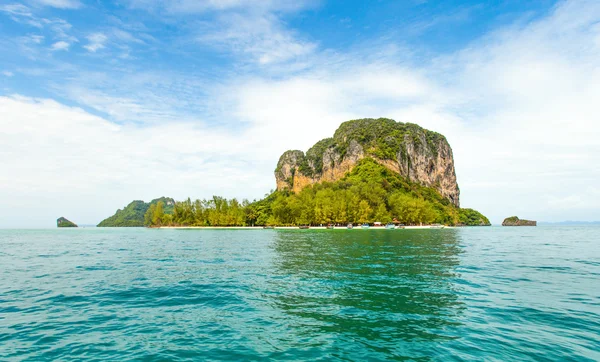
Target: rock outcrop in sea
[(420, 155), (515, 221), (62, 222)]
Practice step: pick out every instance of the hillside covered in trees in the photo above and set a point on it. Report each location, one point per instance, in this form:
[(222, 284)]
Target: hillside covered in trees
[(133, 214), (369, 193)]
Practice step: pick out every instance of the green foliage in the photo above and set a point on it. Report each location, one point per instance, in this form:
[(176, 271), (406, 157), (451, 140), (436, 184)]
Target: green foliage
[(473, 218), (216, 211), (369, 193), (383, 138), (133, 215)]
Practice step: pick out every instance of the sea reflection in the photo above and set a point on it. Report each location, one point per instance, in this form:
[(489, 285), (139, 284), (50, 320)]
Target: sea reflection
[(371, 285)]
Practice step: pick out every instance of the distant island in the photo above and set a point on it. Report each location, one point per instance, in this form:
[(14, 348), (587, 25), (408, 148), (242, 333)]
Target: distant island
[(515, 221), (569, 222), (370, 170), (62, 222)]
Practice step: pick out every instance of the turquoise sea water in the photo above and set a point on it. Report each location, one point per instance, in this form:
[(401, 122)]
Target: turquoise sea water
[(518, 294)]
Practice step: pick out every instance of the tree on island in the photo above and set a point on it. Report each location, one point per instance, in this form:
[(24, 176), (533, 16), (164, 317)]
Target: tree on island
[(369, 193)]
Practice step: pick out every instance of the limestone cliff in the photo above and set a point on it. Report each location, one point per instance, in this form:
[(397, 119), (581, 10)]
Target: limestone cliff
[(418, 154)]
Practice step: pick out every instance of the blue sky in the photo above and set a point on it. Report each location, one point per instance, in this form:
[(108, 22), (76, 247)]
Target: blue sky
[(107, 101)]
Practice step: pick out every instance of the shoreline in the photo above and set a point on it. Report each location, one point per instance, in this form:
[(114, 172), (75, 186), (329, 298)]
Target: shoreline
[(298, 228)]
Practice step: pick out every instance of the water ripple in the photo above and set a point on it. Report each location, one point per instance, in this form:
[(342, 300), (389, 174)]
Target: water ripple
[(137, 294)]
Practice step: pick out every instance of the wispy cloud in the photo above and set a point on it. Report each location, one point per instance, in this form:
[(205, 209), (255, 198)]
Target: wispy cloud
[(16, 9), (60, 45), (61, 4), (199, 6), (36, 39), (258, 38), (6, 73), (96, 42), (252, 30), (21, 14), (125, 36)]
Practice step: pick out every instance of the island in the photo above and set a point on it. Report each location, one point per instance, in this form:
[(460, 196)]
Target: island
[(62, 222), (515, 221), (371, 170)]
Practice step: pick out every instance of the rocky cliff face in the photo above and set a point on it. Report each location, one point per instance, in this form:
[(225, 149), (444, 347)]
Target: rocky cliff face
[(420, 155)]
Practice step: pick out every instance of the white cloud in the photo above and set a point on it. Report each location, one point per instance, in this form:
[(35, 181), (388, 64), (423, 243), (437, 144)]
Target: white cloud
[(125, 36), (21, 14), (61, 4), (198, 6), (62, 158), (122, 108), (252, 30), (96, 42), (16, 9), (260, 38), (37, 39), (6, 73), (60, 45)]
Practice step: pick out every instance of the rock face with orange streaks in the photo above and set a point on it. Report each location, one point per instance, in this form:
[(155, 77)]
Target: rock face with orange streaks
[(418, 154)]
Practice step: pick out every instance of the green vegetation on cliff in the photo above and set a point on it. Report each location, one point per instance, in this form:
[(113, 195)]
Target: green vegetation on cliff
[(369, 193), (133, 214), (381, 137), (314, 156), (472, 218)]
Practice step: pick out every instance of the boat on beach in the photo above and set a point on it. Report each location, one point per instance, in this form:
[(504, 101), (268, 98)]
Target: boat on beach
[(349, 226), (390, 226), (365, 226)]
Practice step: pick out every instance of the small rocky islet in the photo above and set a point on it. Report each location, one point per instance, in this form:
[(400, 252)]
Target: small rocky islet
[(63, 222), (515, 221)]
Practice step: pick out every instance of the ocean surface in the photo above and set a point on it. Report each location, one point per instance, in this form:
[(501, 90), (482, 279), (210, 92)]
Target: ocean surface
[(469, 294)]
